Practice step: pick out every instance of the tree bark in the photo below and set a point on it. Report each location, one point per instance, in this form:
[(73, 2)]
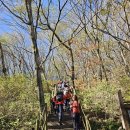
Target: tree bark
[(102, 65), (58, 72), (3, 61), (36, 54), (72, 65), (127, 70)]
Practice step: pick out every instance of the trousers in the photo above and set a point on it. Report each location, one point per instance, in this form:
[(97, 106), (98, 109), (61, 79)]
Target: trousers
[(76, 121), (60, 112)]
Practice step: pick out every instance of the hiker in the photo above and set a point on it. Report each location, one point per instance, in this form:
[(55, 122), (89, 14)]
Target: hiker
[(53, 103), (59, 103), (62, 85), (68, 97), (66, 89), (75, 107), (59, 86), (67, 83)]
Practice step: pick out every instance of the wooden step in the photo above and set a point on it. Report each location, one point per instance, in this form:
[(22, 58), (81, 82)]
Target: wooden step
[(53, 124)]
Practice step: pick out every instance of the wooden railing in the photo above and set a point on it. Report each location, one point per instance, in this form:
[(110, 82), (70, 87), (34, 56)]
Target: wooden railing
[(85, 120), (124, 109), (41, 121)]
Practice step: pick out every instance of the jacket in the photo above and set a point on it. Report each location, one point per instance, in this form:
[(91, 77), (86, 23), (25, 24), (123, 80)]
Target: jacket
[(75, 106)]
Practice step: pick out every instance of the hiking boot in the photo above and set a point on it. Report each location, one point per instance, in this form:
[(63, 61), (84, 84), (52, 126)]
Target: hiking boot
[(60, 123)]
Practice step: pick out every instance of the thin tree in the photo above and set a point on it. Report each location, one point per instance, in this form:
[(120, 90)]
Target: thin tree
[(3, 60)]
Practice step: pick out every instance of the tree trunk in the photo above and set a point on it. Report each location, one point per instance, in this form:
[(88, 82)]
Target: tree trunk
[(72, 66), (127, 70), (36, 53), (58, 72), (3, 62), (102, 65)]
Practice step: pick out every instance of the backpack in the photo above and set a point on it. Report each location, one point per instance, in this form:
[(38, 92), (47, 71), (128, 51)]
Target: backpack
[(59, 97)]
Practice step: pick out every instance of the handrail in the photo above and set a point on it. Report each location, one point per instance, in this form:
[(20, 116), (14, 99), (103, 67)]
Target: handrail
[(44, 118), (85, 120), (41, 121), (124, 112)]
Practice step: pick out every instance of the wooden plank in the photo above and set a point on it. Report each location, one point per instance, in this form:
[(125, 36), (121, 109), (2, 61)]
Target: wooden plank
[(127, 102), (124, 114), (46, 117)]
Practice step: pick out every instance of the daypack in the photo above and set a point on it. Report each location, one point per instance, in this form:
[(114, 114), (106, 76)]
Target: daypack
[(59, 97)]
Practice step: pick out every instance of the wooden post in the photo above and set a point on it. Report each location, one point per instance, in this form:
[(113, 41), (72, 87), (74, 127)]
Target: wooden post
[(46, 116), (124, 116), (50, 106), (37, 125)]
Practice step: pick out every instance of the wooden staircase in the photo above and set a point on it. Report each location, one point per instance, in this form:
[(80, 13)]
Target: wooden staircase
[(53, 124)]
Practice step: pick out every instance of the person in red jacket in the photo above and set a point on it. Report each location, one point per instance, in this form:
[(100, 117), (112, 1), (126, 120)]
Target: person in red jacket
[(75, 107)]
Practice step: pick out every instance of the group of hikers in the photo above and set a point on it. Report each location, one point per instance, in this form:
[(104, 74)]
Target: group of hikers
[(65, 100)]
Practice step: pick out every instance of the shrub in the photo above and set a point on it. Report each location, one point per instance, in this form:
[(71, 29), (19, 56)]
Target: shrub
[(19, 102)]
